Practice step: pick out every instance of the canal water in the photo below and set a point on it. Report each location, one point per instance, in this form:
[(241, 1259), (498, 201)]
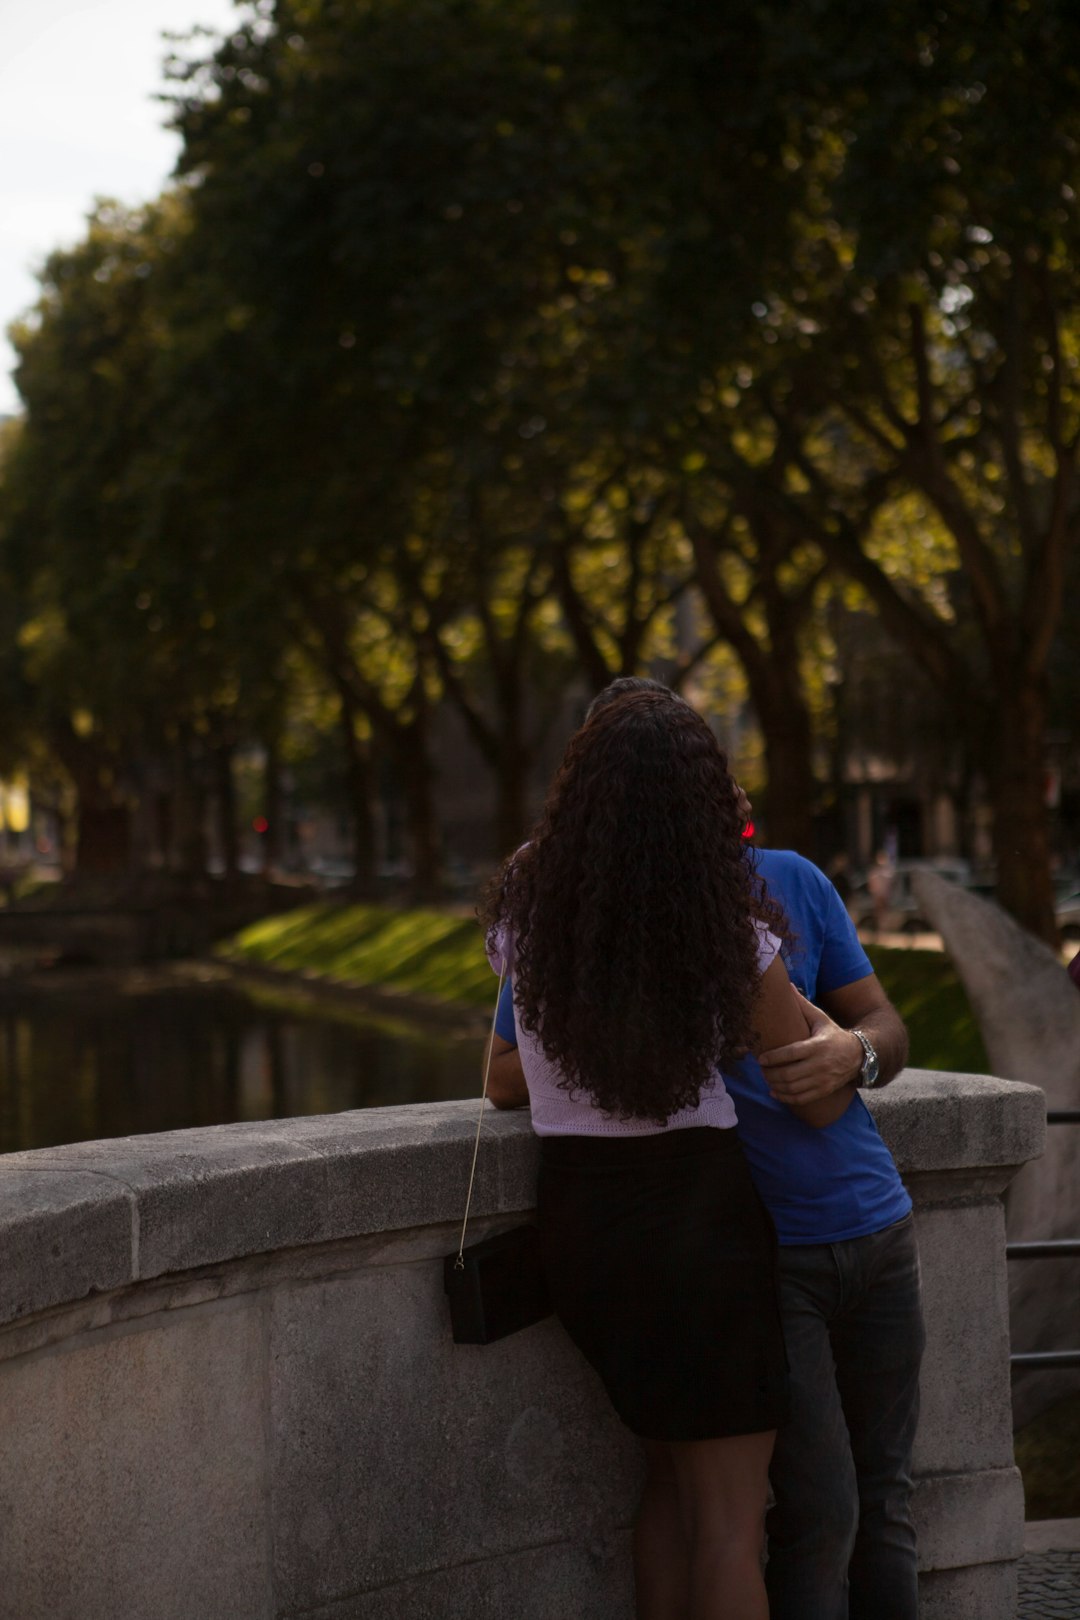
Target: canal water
[(79, 1061)]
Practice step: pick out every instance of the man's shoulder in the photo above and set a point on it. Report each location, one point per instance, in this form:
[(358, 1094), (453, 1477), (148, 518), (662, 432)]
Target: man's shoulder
[(786, 865), (827, 945)]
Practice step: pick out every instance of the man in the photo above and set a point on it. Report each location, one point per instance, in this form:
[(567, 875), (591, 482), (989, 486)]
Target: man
[(841, 1541)]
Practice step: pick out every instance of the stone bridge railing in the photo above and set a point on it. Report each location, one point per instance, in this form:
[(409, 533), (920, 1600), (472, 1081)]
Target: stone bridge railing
[(228, 1391)]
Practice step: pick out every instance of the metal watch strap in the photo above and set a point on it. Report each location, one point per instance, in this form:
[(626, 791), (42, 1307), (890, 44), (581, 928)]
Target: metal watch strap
[(870, 1061)]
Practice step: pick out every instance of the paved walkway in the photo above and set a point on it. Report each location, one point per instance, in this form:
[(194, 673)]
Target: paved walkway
[(1050, 1571)]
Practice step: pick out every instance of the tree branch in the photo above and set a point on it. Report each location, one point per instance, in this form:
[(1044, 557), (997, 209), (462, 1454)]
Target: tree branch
[(577, 619), (871, 365), (1044, 587), (924, 638), (1010, 411), (726, 614), (924, 390)]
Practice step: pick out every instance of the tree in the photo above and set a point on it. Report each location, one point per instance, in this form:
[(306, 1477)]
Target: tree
[(131, 653), (916, 297), (397, 202)]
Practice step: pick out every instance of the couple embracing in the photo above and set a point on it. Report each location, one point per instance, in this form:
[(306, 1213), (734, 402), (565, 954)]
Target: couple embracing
[(725, 1235)]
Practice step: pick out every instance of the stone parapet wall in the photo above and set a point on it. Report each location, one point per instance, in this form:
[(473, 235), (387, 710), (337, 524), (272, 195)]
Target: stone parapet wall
[(228, 1392), (1029, 1016)]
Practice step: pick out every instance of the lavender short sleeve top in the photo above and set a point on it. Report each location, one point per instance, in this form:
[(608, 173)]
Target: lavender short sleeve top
[(556, 1112)]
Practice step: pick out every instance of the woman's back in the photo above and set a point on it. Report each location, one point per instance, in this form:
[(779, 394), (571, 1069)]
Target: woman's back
[(630, 925)]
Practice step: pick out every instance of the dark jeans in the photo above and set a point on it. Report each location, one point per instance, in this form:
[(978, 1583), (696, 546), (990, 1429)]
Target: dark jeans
[(841, 1541)]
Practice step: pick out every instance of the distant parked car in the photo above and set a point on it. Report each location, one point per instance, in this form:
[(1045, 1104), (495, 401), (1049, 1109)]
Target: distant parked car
[(903, 914), (331, 873)]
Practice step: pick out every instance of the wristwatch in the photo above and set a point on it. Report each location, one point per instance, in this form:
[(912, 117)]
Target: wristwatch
[(868, 1074)]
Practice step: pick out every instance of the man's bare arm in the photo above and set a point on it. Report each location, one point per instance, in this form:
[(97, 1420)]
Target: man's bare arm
[(831, 1056), (506, 1081), (864, 1005), (781, 1013)]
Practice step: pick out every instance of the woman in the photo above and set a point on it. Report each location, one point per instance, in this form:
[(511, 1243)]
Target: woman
[(642, 960)]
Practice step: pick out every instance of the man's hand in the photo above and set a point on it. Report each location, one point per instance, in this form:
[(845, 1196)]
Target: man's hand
[(829, 1058)]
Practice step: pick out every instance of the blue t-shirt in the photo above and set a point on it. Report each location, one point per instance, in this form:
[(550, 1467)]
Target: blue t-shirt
[(820, 1186)]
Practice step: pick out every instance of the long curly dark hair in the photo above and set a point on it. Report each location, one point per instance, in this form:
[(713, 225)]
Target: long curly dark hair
[(632, 911)]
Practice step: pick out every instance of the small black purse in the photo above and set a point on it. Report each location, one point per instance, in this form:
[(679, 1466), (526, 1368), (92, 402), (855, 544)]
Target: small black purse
[(494, 1287)]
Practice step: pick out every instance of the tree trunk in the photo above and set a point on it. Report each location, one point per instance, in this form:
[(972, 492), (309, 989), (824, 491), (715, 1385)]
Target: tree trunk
[(774, 680), (513, 784), (776, 691), (189, 833), (500, 743), (424, 840), (103, 837), (101, 819), (789, 799), (225, 786), (1021, 825), (415, 773), (271, 848), (512, 760), (279, 1090), (361, 799)]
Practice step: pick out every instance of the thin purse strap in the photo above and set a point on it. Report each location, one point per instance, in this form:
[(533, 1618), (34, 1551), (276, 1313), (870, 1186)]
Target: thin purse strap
[(459, 1263)]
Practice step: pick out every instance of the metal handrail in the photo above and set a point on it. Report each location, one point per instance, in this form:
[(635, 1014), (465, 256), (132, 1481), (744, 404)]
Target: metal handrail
[(1045, 1358), (1049, 1249)]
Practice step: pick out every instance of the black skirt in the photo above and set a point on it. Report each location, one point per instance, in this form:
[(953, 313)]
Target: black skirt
[(661, 1263)]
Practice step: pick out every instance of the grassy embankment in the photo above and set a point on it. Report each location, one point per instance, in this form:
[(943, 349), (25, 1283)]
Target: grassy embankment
[(440, 957), (926, 991), (430, 954)]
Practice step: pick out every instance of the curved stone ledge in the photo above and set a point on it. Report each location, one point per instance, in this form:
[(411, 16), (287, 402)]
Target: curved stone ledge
[(229, 1393), (97, 1215)]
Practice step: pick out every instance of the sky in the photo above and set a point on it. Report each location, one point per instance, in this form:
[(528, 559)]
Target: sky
[(78, 120)]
